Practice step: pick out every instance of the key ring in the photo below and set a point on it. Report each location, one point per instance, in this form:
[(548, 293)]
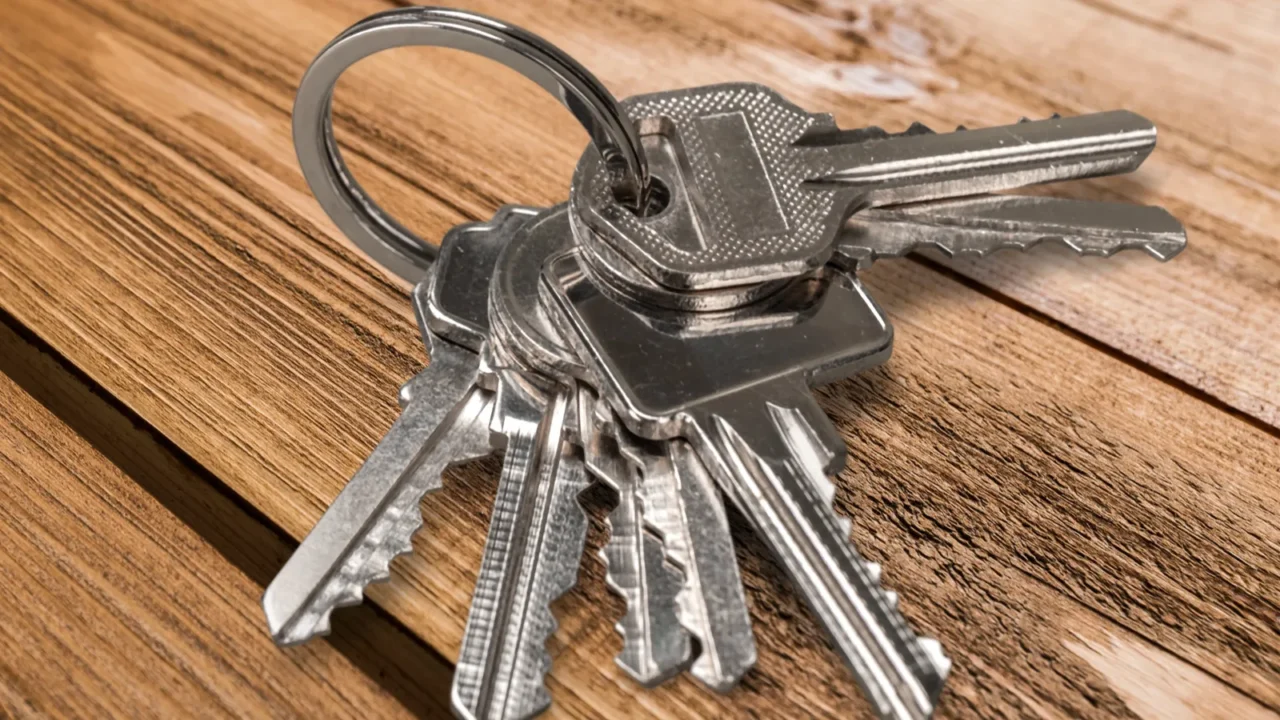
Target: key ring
[(350, 207)]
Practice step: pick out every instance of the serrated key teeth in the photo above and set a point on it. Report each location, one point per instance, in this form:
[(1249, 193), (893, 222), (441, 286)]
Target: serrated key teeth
[(404, 395), (718, 678), (891, 599), (844, 523), (648, 677), (941, 663), (874, 571)]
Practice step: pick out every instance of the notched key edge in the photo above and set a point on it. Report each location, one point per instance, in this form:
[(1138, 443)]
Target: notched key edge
[(318, 577), (980, 226), (501, 675), (656, 645), (768, 466)]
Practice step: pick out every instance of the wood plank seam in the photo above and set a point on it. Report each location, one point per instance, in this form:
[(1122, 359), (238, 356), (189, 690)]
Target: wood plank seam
[(927, 260), (73, 397)]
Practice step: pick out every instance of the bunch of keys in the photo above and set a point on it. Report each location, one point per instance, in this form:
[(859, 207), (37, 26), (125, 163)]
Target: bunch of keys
[(660, 333)]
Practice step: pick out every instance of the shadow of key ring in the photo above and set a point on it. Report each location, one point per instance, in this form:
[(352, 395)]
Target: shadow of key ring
[(352, 210)]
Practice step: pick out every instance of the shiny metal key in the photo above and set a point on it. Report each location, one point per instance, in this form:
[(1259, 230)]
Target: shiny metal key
[(445, 420), (536, 537), (537, 532), (741, 397), (979, 226), (682, 503), (655, 645), (756, 189)]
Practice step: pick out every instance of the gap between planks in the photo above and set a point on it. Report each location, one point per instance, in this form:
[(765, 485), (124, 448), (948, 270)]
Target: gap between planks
[(251, 200), (375, 642)]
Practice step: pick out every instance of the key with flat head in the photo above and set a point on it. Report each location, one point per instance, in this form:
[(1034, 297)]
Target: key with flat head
[(748, 188), (655, 646), (445, 420), (741, 397)]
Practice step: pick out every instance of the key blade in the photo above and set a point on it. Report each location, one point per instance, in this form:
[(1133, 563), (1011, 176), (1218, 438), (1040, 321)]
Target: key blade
[(535, 540), (655, 646), (980, 226), (682, 504), (924, 166), (768, 455), (714, 602), (374, 518)]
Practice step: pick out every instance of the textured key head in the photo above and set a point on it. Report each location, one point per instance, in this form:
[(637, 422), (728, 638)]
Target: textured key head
[(724, 159)]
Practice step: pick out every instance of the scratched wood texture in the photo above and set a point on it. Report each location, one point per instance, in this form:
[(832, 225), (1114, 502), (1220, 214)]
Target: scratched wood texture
[(113, 607), (1070, 468)]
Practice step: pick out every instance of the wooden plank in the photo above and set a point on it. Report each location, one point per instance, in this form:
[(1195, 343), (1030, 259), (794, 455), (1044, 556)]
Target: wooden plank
[(115, 608), (1079, 517), (368, 639)]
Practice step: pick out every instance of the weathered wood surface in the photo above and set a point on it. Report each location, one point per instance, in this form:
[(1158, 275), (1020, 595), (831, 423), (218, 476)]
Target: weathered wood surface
[(1085, 515), (113, 607)]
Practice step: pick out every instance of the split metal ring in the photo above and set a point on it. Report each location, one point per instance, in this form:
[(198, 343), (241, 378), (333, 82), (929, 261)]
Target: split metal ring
[(353, 211)]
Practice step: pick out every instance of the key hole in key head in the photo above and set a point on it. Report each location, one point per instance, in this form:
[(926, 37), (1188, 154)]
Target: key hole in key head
[(656, 200)]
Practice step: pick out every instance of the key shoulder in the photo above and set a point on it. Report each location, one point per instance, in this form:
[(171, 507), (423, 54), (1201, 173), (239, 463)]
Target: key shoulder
[(452, 302), (653, 374)]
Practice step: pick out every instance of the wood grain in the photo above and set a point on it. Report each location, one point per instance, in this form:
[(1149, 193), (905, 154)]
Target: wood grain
[(1086, 537), (369, 641), (115, 608)]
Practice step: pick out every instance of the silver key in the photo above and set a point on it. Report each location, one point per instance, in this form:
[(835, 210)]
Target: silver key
[(536, 537), (980, 226), (682, 503), (757, 189), (655, 646), (445, 420), (538, 530), (741, 398)]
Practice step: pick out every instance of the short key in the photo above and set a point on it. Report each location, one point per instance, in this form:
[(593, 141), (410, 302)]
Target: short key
[(758, 189), (445, 420), (683, 504), (741, 398), (655, 646)]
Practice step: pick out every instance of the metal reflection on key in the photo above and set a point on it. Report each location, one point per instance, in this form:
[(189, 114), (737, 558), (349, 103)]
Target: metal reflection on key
[(445, 420), (660, 332), (743, 401), (536, 535), (760, 187)]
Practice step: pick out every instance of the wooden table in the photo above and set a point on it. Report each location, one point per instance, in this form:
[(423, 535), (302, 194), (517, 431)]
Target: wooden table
[(1070, 468)]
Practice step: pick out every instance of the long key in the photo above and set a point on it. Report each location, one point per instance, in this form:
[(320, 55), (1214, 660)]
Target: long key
[(655, 646), (769, 446), (982, 225), (445, 420), (756, 189), (684, 506), (536, 538)]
